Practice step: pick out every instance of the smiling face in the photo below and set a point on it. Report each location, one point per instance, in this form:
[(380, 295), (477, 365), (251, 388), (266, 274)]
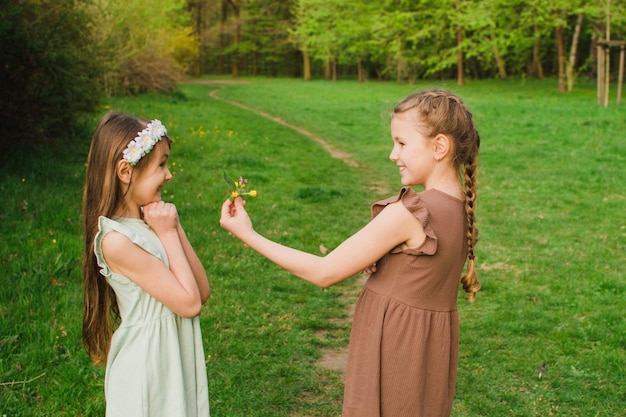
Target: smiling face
[(412, 152), (147, 185)]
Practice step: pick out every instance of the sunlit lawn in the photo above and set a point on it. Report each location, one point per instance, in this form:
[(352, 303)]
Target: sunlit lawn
[(551, 251)]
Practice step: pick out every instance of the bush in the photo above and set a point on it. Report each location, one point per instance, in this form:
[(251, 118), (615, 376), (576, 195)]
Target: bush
[(146, 46), (49, 74), (147, 73)]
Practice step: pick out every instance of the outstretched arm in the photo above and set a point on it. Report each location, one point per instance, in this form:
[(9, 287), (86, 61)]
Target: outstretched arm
[(393, 226)]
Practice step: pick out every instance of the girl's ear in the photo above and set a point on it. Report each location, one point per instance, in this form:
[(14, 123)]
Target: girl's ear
[(443, 147), (124, 171)]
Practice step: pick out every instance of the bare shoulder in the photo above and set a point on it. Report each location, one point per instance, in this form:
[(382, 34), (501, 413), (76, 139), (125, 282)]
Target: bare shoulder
[(396, 216), (397, 212), (116, 247)]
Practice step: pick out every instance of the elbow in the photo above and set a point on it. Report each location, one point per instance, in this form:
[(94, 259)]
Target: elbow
[(204, 297), (191, 309), (326, 273), (324, 281)]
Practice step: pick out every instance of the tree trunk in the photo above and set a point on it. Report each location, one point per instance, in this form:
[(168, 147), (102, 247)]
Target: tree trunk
[(537, 65), (560, 50), (572, 54), (223, 21), (460, 70), (255, 63), (306, 63), (499, 60), (359, 70), (197, 13), (236, 35)]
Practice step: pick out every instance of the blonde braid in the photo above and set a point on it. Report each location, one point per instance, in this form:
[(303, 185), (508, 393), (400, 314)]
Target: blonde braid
[(440, 111), (470, 282)]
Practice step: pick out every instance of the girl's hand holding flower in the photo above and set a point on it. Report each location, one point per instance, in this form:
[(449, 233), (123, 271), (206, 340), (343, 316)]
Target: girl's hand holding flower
[(234, 217)]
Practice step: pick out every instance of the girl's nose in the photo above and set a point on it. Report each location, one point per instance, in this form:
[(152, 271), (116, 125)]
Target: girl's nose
[(393, 156), (168, 175)]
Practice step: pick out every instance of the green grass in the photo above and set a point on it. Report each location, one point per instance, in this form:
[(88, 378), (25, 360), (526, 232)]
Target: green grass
[(550, 257)]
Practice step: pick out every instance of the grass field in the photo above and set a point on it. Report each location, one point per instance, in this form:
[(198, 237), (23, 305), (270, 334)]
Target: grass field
[(551, 254)]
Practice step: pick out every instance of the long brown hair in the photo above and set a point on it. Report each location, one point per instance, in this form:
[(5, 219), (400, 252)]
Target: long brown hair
[(103, 195), (439, 111)]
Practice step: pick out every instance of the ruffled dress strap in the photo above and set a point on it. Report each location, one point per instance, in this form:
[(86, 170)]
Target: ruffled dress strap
[(416, 206), (133, 229)]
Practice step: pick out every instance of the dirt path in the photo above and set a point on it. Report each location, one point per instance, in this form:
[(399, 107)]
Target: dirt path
[(335, 359), (330, 148)]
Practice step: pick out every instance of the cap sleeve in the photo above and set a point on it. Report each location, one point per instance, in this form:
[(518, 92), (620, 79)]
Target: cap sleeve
[(416, 206), (106, 225)]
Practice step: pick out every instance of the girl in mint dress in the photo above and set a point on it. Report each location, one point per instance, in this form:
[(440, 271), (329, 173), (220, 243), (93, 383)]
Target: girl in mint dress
[(144, 284)]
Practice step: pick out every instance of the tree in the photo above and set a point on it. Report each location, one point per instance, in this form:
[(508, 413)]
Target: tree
[(419, 39), (49, 70), (316, 31), (571, 63), (411, 39), (460, 72), (265, 45), (355, 31), (235, 6), (560, 48)]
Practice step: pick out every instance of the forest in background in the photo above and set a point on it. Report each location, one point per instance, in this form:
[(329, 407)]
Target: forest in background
[(59, 58), (405, 40)]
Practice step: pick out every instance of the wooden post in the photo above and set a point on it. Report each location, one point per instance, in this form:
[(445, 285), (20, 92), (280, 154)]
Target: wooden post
[(600, 75), (607, 55), (607, 74)]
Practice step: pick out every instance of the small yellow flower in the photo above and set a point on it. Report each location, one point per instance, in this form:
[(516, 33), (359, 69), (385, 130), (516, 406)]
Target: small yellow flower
[(239, 189)]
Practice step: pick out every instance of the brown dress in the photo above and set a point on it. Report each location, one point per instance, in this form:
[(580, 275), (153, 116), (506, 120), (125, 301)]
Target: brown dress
[(405, 335)]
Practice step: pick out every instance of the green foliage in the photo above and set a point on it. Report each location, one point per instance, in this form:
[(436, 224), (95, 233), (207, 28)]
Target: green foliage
[(406, 39), (48, 70), (550, 256), (266, 35), (144, 48)]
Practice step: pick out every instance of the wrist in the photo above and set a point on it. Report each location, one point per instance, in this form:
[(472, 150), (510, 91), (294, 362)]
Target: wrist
[(166, 233)]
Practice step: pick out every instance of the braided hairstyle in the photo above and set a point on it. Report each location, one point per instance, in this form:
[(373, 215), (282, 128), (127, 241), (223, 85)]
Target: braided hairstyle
[(439, 111)]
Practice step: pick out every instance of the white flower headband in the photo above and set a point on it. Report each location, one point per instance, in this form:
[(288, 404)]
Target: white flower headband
[(144, 142)]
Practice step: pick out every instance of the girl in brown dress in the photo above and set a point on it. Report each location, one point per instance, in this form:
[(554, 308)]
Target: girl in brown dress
[(403, 351)]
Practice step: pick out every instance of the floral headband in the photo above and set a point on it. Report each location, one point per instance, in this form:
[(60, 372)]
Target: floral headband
[(144, 142)]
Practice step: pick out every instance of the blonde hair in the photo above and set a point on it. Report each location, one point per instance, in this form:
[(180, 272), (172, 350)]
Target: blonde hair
[(103, 195), (439, 111)]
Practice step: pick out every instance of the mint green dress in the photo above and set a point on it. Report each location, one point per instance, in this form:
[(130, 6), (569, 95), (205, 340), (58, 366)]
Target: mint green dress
[(156, 365)]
